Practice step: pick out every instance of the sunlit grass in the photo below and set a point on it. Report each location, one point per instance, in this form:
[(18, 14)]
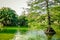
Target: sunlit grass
[(6, 36), (13, 30), (56, 28)]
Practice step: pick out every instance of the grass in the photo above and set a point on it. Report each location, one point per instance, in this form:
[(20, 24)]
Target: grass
[(13, 30), (4, 36), (10, 29)]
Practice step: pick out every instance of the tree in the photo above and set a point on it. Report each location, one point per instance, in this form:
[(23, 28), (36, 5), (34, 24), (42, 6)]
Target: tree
[(36, 21), (8, 16), (22, 21), (40, 5), (55, 14)]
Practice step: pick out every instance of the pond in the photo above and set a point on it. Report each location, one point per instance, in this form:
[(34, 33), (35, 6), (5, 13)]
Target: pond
[(35, 35), (28, 35)]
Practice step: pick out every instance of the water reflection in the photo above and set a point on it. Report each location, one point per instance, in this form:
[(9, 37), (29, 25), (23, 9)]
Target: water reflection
[(35, 35), (31, 35), (56, 37)]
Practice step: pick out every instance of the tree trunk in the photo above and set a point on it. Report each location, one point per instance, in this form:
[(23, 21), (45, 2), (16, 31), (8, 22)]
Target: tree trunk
[(49, 29)]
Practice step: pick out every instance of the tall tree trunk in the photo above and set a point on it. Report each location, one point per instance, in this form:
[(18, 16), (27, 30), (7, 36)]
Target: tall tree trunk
[(49, 22), (49, 30)]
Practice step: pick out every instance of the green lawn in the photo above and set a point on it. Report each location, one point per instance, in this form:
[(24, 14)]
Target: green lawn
[(6, 36), (13, 29)]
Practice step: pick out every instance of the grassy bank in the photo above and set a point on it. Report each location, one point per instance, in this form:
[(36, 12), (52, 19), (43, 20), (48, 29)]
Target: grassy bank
[(12, 29), (8, 32)]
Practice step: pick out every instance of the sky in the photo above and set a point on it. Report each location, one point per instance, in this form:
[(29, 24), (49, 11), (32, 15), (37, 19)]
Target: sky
[(16, 5)]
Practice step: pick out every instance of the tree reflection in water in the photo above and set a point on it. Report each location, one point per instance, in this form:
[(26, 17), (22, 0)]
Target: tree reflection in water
[(56, 37), (35, 35)]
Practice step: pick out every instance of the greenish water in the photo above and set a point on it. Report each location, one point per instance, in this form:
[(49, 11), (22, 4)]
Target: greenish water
[(28, 35), (56, 37), (25, 34)]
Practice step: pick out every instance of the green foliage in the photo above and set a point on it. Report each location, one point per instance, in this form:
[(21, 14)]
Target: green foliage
[(23, 21), (37, 7), (55, 15), (36, 21), (8, 16)]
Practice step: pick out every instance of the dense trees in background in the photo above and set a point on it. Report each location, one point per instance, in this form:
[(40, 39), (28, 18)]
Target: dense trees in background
[(22, 21), (8, 16)]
